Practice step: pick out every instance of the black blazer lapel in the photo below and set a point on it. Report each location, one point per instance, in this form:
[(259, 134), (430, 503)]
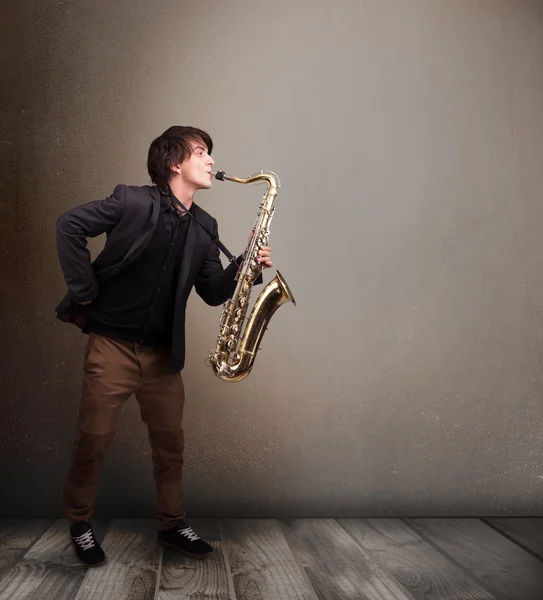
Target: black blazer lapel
[(186, 258), (146, 233)]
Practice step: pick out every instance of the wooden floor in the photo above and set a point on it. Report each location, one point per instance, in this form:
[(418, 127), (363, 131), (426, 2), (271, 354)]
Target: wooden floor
[(302, 559)]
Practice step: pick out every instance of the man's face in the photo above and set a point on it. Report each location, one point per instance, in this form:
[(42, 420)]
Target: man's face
[(196, 169)]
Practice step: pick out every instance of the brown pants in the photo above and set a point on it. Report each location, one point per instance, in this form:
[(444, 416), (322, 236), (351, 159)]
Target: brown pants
[(114, 370)]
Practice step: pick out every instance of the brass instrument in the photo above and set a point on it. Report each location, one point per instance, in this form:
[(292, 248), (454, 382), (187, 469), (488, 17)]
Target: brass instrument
[(235, 352)]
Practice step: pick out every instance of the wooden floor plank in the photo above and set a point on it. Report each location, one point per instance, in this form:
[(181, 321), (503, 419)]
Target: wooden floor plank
[(504, 567), (261, 562), (336, 565), (16, 537), (21, 580), (50, 569), (418, 566), (185, 578), (528, 532), (131, 570)]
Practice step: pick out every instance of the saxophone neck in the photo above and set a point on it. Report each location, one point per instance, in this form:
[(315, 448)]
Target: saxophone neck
[(268, 177)]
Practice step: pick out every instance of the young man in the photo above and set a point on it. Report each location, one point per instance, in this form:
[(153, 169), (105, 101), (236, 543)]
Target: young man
[(131, 301)]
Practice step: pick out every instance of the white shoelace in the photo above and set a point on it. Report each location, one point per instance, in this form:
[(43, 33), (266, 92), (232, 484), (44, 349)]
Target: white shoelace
[(188, 533), (86, 541)]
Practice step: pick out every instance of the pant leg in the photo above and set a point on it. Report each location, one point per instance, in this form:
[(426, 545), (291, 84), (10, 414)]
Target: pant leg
[(111, 374), (161, 398)]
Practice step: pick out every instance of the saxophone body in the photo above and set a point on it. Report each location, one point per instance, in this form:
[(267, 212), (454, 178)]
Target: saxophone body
[(239, 337)]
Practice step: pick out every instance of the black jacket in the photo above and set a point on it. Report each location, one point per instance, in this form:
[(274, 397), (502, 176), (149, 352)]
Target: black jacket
[(129, 217)]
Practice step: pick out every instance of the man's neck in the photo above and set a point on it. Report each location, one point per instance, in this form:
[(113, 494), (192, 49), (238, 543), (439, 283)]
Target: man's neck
[(182, 193)]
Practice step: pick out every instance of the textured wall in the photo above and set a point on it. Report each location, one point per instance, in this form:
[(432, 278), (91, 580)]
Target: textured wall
[(408, 135)]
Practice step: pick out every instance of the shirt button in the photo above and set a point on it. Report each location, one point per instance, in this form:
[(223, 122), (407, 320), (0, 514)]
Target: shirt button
[(158, 289), (146, 328), (163, 268), (151, 309)]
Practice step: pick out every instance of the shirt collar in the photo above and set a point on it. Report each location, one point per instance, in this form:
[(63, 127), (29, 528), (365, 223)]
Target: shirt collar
[(166, 204)]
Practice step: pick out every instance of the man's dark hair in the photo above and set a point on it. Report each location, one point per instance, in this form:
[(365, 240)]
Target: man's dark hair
[(171, 148)]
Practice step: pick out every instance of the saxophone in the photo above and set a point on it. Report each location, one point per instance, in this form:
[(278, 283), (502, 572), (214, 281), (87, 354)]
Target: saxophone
[(236, 348)]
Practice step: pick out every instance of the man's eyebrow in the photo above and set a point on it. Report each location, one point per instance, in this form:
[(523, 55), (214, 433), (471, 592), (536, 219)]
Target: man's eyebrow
[(199, 148)]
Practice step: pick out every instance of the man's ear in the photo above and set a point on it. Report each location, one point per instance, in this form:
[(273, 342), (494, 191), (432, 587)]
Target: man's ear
[(176, 168)]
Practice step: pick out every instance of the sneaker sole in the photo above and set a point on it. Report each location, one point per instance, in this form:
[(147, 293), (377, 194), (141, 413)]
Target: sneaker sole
[(177, 549)]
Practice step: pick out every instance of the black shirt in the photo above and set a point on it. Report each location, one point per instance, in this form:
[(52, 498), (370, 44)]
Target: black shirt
[(138, 304)]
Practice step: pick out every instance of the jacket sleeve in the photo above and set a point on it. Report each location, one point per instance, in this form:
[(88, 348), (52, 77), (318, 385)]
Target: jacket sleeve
[(73, 229), (216, 284)]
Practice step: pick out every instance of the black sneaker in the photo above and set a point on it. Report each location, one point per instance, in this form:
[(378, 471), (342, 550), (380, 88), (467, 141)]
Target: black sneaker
[(87, 548), (182, 537)]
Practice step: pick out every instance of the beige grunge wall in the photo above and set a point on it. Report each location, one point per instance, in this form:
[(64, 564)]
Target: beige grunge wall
[(408, 135)]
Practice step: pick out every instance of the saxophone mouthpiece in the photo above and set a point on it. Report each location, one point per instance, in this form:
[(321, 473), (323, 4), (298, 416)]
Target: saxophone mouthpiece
[(218, 175)]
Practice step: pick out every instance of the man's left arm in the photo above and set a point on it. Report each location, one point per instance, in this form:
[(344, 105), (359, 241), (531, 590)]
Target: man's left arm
[(216, 284)]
